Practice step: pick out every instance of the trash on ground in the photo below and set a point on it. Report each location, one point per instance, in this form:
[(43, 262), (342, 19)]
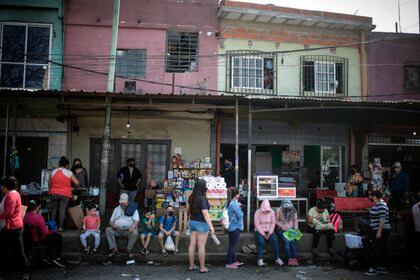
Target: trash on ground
[(302, 272), (150, 262), (130, 262)]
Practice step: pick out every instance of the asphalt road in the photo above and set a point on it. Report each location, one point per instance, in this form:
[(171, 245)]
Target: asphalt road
[(143, 271)]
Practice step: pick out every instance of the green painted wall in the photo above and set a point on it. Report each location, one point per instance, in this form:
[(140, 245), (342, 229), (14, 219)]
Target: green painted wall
[(40, 11), (288, 74)]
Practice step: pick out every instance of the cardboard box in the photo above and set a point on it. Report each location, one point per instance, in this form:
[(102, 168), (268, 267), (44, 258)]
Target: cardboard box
[(77, 215)]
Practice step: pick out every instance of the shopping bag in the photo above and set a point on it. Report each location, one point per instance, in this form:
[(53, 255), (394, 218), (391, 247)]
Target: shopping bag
[(293, 234), (169, 244)]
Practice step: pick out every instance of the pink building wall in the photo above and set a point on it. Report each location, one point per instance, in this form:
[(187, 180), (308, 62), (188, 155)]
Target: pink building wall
[(143, 25), (386, 60)]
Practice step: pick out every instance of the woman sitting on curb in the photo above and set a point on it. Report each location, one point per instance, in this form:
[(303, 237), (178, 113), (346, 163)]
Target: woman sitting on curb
[(265, 222), (287, 221)]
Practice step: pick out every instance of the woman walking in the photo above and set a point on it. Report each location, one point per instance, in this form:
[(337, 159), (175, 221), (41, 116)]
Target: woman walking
[(286, 219), (199, 225), (236, 225), (12, 234), (60, 190)]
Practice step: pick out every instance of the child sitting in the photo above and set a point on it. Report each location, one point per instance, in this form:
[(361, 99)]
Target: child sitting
[(167, 228), (148, 222), (91, 224)]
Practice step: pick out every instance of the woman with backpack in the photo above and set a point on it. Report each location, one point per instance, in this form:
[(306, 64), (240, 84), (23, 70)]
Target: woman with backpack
[(236, 225)]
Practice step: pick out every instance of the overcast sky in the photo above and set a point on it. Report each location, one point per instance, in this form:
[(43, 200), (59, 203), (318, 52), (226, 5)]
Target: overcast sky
[(383, 12)]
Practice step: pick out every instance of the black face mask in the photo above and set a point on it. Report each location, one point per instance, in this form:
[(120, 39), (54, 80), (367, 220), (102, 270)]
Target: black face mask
[(170, 213), (77, 166), (131, 164)]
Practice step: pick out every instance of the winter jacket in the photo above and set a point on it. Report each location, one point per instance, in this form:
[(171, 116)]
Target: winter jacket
[(265, 219)]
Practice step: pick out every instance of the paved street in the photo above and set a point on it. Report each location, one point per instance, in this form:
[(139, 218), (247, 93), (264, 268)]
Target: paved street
[(99, 271)]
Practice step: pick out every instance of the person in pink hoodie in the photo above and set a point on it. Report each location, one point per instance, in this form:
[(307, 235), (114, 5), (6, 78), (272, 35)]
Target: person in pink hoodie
[(265, 223)]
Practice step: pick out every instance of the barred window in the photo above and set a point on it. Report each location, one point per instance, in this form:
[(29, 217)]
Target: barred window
[(131, 63), (181, 51), (412, 76), (24, 55), (251, 72), (323, 75)]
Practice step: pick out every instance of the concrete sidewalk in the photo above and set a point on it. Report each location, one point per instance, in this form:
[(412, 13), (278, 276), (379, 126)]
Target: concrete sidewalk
[(73, 249)]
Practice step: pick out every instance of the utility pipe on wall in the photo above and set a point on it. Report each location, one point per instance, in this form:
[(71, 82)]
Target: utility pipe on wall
[(236, 143), (363, 72), (248, 203)]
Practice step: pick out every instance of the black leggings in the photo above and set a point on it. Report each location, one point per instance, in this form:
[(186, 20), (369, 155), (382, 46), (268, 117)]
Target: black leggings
[(380, 248), (12, 240), (317, 235)]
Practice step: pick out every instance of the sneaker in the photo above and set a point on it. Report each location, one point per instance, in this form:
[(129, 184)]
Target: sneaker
[(295, 262), (238, 264), (371, 272), (144, 251), (315, 252), (382, 270), (46, 261), (87, 250), (95, 250), (164, 253), (261, 263), (279, 262), (58, 263), (176, 252), (231, 266), (290, 262)]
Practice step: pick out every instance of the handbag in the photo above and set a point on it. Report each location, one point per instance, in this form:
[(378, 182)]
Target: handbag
[(169, 244)]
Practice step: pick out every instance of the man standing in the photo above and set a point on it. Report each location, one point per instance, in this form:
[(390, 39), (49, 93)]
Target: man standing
[(399, 185), (129, 178), (123, 224)]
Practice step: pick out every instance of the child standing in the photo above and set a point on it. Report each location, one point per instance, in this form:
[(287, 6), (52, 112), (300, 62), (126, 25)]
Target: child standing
[(148, 222), (167, 228), (91, 224)]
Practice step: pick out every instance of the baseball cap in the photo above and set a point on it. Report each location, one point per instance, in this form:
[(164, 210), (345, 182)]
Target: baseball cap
[(397, 164), (123, 198)]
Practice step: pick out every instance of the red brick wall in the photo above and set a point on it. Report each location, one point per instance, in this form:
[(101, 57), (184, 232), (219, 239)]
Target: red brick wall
[(275, 35)]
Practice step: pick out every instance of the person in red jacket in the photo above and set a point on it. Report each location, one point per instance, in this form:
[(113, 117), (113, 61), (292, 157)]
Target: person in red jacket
[(40, 234), (60, 190), (11, 235)]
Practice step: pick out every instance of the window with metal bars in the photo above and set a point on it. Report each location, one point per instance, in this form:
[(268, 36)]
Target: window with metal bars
[(323, 76), (251, 72), (181, 51), (131, 63), (412, 76)]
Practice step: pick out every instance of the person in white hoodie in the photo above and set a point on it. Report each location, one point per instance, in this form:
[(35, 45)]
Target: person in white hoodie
[(265, 223)]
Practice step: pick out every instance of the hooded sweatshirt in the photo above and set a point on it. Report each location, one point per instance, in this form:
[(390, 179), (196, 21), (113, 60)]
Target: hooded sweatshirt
[(285, 223), (265, 219)]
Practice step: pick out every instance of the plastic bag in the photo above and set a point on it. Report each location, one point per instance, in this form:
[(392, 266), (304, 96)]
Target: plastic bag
[(169, 244)]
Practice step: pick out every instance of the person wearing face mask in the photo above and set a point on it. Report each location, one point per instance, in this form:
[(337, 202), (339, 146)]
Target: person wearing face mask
[(228, 173), (80, 173), (265, 223), (286, 217), (236, 226), (380, 232), (129, 178), (167, 228), (318, 221), (122, 225)]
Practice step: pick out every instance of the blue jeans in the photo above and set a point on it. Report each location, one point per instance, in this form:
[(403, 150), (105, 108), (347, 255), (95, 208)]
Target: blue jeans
[(233, 240), (261, 245), (289, 246)]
